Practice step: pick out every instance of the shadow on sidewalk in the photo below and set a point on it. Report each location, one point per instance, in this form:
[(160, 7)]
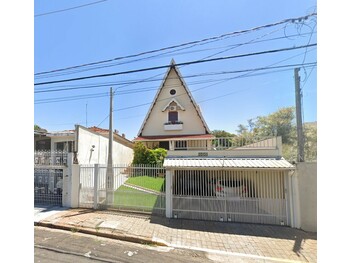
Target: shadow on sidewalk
[(246, 229)]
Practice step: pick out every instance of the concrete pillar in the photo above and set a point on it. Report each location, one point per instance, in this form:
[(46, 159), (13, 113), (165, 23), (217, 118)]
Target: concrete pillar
[(295, 199), (210, 145), (75, 186), (287, 189), (279, 145), (70, 189), (169, 193), (66, 188)]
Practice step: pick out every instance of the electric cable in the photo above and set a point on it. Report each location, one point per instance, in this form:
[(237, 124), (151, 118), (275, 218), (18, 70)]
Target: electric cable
[(185, 44), (179, 64)]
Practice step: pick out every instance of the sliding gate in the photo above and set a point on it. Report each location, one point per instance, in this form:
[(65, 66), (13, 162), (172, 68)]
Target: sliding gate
[(250, 196)]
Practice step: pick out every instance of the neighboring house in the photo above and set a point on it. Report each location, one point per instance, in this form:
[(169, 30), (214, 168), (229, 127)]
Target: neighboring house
[(174, 120), (56, 153), (92, 146), (89, 144), (54, 141)]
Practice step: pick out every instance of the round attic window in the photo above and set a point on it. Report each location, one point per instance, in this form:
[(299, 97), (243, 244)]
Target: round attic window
[(172, 92)]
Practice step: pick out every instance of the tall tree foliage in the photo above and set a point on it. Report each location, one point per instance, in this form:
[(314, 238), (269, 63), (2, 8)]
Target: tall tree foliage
[(282, 123), (279, 123)]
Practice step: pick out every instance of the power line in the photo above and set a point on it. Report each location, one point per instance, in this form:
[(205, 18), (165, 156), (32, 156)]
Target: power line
[(185, 77), (179, 64), (68, 9), (185, 44), (167, 54), (98, 95)]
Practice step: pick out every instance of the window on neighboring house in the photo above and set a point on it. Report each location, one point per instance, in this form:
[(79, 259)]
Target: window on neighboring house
[(65, 146), (173, 116)]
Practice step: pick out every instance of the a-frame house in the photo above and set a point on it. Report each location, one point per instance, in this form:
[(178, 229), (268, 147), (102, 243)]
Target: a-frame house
[(174, 120)]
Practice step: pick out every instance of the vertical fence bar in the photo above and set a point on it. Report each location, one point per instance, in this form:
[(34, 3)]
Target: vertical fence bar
[(96, 170)]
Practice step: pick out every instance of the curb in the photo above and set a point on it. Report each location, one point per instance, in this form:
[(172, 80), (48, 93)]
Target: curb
[(133, 239)]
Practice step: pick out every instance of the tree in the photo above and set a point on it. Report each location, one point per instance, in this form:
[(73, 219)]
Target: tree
[(143, 155), (157, 156), (279, 123), (37, 127), (222, 133), (140, 153), (242, 129), (282, 123)]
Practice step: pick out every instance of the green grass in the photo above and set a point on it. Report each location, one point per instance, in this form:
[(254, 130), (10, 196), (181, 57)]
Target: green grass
[(127, 197), (152, 183)]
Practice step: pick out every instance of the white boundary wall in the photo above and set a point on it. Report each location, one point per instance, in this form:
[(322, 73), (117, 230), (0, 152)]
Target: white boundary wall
[(307, 184)]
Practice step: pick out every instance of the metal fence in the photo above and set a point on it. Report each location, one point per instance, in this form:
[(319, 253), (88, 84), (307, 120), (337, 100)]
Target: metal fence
[(48, 186), (138, 188), (237, 196), (50, 158), (250, 196)]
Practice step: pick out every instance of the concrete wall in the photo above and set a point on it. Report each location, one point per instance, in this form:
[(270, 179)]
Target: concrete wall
[(87, 154), (307, 182)]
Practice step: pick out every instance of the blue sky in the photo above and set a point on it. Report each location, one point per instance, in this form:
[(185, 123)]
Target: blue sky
[(111, 29)]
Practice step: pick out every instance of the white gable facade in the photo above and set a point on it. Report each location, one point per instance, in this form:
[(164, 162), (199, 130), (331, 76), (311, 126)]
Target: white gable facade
[(173, 115), (173, 107)]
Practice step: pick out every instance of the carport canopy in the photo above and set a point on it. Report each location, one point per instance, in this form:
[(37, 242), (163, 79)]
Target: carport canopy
[(228, 163)]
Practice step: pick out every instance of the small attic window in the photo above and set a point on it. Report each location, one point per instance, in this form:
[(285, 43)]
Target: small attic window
[(172, 92), (173, 116)]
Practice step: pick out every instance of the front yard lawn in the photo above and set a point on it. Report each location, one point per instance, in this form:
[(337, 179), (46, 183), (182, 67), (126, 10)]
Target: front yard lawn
[(126, 197), (152, 183)]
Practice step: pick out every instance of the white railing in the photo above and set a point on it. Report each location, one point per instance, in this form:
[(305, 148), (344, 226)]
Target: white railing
[(227, 143), (50, 158)]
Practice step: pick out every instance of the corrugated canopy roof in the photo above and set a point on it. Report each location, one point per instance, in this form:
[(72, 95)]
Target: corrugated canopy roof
[(265, 163)]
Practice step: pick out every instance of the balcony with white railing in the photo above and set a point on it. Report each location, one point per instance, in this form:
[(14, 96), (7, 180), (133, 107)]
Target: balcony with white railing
[(50, 158), (228, 146)]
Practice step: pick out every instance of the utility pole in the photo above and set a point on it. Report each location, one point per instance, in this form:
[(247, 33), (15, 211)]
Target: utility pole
[(300, 133), (110, 175)]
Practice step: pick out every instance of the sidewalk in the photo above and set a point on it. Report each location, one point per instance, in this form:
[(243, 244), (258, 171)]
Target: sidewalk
[(264, 242)]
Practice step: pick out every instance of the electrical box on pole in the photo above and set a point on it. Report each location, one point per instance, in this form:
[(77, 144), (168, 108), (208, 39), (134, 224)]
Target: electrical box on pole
[(300, 133)]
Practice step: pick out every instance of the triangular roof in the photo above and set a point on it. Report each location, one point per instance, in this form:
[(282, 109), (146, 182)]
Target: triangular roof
[(173, 66)]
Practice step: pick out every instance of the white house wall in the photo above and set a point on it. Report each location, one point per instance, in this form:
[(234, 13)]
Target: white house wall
[(99, 154), (192, 123)]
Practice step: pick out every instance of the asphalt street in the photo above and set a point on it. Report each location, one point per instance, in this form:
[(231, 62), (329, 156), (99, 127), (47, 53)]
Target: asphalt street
[(68, 246)]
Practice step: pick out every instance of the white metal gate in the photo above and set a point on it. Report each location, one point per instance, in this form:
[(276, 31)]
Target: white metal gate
[(251, 196), (138, 188), (48, 185)]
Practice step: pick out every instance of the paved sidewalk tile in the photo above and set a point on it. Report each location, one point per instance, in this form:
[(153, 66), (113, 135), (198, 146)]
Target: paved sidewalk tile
[(268, 241)]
